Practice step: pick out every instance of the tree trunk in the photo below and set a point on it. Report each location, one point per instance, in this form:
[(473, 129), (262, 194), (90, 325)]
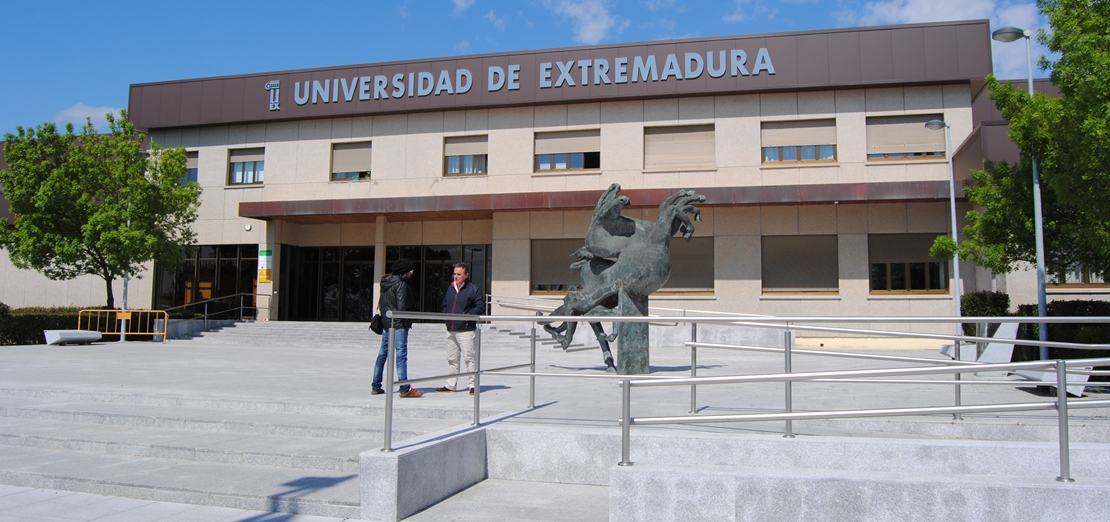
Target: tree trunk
[(108, 288)]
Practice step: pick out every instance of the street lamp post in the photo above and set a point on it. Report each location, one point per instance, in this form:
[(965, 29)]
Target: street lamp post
[(1006, 35), (938, 125)]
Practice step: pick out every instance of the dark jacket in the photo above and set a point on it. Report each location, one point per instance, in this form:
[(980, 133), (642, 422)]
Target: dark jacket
[(396, 295), (468, 300)]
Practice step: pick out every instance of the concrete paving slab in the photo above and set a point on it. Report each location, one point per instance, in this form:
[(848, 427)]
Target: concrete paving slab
[(494, 499)]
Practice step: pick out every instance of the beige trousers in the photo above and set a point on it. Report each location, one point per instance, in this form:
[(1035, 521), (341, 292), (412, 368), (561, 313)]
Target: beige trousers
[(460, 343)]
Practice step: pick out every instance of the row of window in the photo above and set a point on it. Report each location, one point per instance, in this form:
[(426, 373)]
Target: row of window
[(665, 148), (809, 264)]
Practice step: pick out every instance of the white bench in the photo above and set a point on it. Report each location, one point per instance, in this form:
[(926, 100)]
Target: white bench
[(1002, 351), (62, 337)]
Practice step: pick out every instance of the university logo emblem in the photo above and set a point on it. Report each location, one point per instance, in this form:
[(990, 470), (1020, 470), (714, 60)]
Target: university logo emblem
[(275, 94)]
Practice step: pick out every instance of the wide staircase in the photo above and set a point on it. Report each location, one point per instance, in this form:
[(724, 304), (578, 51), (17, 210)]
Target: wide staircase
[(278, 456)]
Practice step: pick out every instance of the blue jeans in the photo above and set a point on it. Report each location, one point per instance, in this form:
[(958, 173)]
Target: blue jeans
[(402, 347)]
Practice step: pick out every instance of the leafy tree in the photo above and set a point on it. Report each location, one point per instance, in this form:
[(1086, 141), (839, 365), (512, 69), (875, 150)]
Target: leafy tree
[(1069, 136), (97, 204)]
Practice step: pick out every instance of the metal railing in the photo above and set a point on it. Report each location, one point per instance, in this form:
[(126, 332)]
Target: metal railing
[(231, 304), (791, 324), (147, 323)]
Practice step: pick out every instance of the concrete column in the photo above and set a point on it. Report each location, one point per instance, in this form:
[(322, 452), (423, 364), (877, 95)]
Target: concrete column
[(379, 257), (268, 292)]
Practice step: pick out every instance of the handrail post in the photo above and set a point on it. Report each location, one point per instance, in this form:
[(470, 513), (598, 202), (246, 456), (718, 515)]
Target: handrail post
[(693, 366), (1062, 415), (959, 375), (477, 374), (532, 369), (626, 421), (206, 317), (387, 436), (788, 343)]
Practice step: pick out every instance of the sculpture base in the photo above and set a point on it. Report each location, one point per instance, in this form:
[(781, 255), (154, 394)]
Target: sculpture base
[(632, 338)]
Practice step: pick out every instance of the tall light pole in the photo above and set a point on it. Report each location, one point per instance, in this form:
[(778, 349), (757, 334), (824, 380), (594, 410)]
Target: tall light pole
[(938, 125), (1006, 35)]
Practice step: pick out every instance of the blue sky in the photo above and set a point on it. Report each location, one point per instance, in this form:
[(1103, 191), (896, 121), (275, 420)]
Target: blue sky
[(68, 60)]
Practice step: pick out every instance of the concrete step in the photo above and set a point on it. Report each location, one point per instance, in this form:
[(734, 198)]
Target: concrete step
[(240, 486), (279, 456)]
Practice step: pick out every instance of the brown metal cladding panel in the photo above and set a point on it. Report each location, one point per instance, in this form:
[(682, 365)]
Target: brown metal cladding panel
[(974, 58), (697, 84), (784, 54), (212, 108), (751, 47), (134, 100), (908, 51), (150, 105), (171, 102), (602, 89), (481, 79), (813, 59), (191, 95), (255, 104), (5, 209), (389, 71), (629, 88), (997, 145), (969, 156), (941, 52), (670, 85), (876, 56), (367, 106), (727, 82), (845, 65), (233, 99), (580, 89), (553, 93)]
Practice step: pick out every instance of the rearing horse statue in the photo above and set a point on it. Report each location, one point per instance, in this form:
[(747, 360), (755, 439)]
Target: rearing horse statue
[(622, 255)]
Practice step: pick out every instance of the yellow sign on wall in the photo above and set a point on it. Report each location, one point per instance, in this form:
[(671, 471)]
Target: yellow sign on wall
[(263, 275)]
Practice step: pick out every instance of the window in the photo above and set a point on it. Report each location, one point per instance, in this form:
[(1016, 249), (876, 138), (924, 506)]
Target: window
[(900, 263), (464, 155), (798, 141), (579, 150), (691, 266), (191, 170), (678, 148), (350, 161), (1081, 275), (903, 137), (800, 264), (247, 167)]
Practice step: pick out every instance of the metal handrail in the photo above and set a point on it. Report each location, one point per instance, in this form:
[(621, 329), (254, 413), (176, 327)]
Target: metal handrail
[(205, 316), (788, 377)]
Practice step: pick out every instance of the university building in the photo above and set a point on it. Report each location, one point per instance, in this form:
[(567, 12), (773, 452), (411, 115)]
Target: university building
[(824, 188)]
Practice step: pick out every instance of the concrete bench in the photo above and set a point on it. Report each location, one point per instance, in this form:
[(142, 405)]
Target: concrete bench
[(62, 337)]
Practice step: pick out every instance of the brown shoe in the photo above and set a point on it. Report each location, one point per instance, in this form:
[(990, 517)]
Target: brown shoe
[(376, 392), (444, 389), (472, 391), (412, 393)]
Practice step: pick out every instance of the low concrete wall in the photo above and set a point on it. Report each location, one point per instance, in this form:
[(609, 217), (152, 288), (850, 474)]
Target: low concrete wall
[(664, 493), (186, 328), (424, 471)]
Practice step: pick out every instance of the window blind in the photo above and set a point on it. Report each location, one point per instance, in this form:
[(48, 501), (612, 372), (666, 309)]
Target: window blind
[(679, 147)]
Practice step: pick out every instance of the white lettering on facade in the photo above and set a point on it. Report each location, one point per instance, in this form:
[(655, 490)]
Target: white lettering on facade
[(641, 68), (545, 75), (620, 70), (605, 71)]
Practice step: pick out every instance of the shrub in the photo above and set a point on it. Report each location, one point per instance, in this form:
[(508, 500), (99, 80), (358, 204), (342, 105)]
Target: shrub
[(1085, 333), (983, 304)]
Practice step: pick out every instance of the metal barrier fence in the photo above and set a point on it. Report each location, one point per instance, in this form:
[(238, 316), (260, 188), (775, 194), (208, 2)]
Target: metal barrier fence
[(147, 323), (791, 324)]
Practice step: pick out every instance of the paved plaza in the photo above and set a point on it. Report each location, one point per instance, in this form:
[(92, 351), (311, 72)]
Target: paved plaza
[(250, 386)]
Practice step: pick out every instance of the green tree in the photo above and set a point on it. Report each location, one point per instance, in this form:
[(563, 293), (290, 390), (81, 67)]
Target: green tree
[(1069, 136), (97, 204)]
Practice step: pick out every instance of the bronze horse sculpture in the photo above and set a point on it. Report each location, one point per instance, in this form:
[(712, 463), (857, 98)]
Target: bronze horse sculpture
[(622, 255)]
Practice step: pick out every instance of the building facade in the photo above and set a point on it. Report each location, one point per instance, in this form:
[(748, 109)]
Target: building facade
[(824, 189)]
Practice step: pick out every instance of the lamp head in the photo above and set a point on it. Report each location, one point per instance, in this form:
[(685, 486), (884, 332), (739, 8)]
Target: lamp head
[(935, 124), (1010, 33)]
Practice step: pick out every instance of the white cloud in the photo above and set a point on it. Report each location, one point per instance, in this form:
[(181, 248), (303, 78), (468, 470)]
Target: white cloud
[(497, 22), (747, 9), (462, 5), (920, 11), (1009, 59), (591, 18), (77, 115), (655, 5), (462, 46)]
